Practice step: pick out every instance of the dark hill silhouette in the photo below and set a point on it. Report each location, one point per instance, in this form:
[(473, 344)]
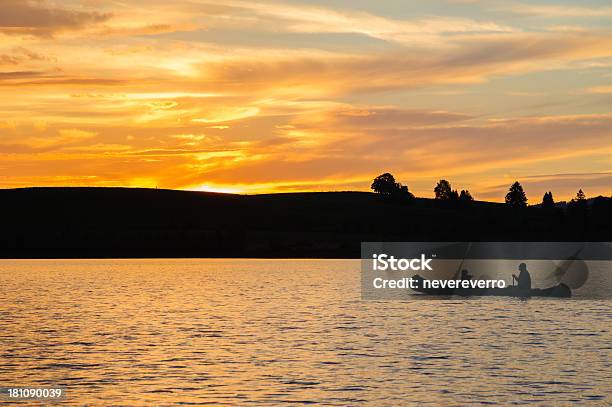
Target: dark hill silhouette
[(134, 222)]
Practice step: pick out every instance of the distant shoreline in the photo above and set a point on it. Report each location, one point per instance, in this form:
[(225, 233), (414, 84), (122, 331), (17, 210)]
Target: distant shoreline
[(82, 222)]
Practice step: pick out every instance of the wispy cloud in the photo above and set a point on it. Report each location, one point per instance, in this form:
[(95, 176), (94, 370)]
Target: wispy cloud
[(553, 10), (473, 60), (599, 90), (42, 18), (311, 19)]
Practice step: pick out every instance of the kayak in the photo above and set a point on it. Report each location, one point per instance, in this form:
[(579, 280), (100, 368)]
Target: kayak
[(558, 291)]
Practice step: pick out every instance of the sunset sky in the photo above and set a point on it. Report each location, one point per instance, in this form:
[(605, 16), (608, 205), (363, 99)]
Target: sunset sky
[(251, 97)]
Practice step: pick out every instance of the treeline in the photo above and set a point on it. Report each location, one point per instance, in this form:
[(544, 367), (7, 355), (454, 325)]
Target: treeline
[(386, 185), (581, 218)]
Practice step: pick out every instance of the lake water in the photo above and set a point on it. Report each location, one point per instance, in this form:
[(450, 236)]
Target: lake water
[(160, 332)]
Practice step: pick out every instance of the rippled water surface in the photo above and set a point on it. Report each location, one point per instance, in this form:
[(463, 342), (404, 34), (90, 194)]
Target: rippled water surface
[(160, 332)]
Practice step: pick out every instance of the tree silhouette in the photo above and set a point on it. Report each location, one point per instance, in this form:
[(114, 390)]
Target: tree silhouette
[(465, 195), (578, 211), (579, 202), (580, 197), (516, 196), (547, 200), (454, 195), (443, 190), (384, 184), (402, 192)]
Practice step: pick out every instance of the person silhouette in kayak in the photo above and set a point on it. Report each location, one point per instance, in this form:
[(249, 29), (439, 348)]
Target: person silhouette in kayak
[(524, 278)]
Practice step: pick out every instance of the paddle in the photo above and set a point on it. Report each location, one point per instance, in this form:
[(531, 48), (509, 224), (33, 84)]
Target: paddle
[(573, 277), (458, 272)]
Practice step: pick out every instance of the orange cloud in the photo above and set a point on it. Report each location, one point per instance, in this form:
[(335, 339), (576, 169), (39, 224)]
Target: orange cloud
[(473, 59), (39, 18)]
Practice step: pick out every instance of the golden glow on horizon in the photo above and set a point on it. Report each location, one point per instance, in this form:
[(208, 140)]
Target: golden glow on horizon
[(211, 188), (257, 97)]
